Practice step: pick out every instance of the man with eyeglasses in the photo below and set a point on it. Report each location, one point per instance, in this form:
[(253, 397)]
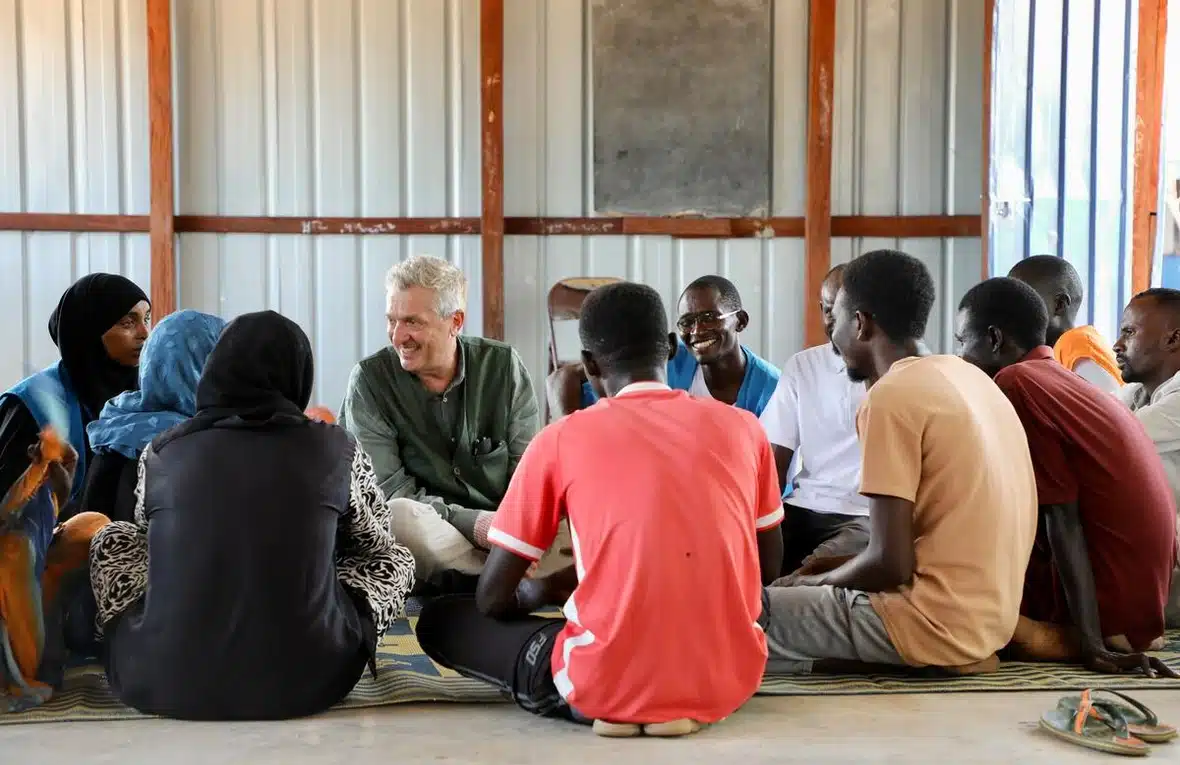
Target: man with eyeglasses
[(710, 360), (812, 417)]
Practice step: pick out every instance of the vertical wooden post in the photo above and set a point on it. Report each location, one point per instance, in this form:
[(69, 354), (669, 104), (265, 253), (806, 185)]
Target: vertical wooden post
[(1149, 95), (817, 223), (159, 75), (491, 219), (985, 166)]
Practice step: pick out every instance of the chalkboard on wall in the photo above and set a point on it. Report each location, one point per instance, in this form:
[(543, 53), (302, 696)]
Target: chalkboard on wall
[(681, 106)]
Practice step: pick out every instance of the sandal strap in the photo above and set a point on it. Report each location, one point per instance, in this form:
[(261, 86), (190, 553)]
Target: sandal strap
[(1104, 712), (1151, 718)]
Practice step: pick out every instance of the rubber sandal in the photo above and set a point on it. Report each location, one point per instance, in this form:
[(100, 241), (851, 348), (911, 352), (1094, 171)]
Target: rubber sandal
[(1142, 723), (616, 730), (1099, 726), (673, 728)]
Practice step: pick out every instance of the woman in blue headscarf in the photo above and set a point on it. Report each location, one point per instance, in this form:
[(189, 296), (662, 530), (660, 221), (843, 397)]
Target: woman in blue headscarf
[(169, 368)]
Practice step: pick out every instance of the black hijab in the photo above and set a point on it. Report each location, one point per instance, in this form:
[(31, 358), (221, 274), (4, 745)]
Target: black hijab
[(259, 375), (90, 307)]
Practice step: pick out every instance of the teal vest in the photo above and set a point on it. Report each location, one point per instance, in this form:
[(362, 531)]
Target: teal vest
[(758, 385), (50, 398)]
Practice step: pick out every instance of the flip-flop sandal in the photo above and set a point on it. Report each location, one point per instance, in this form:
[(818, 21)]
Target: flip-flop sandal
[(1142, 723), (1097, 726)]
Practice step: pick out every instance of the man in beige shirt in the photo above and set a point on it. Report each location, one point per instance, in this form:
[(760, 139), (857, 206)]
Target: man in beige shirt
[(952, 500)]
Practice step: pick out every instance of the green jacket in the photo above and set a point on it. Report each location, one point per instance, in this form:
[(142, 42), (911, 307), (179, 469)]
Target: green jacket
[(462, 472)]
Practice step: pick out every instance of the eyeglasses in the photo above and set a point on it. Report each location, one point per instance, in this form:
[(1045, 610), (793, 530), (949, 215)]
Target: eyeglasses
[(704, 319)]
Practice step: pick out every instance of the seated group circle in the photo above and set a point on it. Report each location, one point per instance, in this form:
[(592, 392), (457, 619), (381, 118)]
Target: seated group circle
[(870, 503)]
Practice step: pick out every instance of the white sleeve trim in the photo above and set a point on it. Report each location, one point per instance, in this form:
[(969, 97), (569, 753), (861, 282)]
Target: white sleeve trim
[(512, 544), (769, 520)]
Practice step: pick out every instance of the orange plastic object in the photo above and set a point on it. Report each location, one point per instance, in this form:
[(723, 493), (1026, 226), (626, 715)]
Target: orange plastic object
[(321, 413), (52, 450)]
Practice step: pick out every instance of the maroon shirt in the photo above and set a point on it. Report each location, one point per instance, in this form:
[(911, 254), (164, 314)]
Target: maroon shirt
[(1088, 448)]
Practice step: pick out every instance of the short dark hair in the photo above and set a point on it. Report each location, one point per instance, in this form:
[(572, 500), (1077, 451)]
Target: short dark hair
[(1052, 273), (727, 293), (894, 288), (624, 325), (1011, 306), (1165, 297)]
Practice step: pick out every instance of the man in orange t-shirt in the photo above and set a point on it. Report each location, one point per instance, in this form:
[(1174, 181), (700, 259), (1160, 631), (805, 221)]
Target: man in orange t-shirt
[(674, 510), (947, 470), (1078, 349)]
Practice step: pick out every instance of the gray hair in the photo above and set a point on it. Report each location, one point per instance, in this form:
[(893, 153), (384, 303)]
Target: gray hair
[(426, 271)]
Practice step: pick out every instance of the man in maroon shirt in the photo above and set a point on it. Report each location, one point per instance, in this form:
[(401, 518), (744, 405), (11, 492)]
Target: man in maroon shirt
[(1098, 580)]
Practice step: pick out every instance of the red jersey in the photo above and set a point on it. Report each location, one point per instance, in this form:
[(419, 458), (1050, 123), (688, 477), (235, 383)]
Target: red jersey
[(664, 495), (1090, 449)]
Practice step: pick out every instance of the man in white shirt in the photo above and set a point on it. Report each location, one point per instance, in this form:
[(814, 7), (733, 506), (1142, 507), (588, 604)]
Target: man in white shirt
[(1148, 355), (811, 422)]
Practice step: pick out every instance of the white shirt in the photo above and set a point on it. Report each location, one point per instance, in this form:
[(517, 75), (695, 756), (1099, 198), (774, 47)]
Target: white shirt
[(813, 412), (698, 388), (1160, 416), (1094, 374)]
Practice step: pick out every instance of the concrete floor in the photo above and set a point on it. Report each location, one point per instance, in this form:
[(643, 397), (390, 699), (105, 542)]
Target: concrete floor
[(959, 728)]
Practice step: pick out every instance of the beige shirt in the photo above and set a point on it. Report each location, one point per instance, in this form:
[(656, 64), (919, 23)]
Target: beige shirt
[(937, 432)]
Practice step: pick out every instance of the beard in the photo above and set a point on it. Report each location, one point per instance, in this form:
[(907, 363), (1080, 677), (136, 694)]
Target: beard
[(854, 374)]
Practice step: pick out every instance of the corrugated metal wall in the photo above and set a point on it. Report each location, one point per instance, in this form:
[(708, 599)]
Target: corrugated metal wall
[(907, 131), (322, 108), (908, 127), (1062, 127), (370, 107), (73, 139)]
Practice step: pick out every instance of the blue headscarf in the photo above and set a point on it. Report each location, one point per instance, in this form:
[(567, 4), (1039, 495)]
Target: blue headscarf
[(169, 368)]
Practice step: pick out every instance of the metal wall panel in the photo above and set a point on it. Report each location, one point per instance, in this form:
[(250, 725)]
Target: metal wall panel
[(907, 125), (73, 139), (324, 108), (371, 107), (906, 136), (1062, 132)]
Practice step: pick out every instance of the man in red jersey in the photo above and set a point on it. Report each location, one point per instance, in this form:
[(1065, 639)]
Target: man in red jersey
[(1097, 582), (674, 509)]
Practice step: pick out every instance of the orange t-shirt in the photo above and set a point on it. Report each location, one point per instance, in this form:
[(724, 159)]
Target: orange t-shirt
[(938, 432), (664, 496), (1084, 343)]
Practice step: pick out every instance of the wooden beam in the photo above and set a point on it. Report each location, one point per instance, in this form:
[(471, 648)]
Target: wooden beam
[(906, 226), (76, 223), (220, 224), (985, 166), (163, 206), (885, 226), (491, 76), (821, 59), (1149, 96), (899, 226)]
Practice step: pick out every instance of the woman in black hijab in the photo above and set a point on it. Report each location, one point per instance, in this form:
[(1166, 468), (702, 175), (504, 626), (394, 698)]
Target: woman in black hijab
[(100, 324), (272, 570)]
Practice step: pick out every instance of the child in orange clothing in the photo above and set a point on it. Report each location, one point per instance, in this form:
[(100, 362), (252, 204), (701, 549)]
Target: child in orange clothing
[(31, 570)]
